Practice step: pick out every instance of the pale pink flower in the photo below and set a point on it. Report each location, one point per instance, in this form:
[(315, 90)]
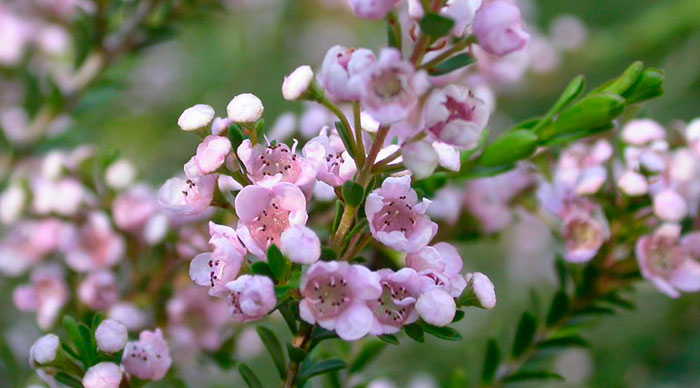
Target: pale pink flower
[(633, 183), (44, 350), (499, 28), (215, 269), (581, 167), (334, 164), (103, 375), (45, 294), (220, 125), (439, 266), (568, 32), (196, 117), (453, 115), (669, 205), (339, 66), (12, 202), (120, 174), (28, 242), (502, 70), (396, 218), (669, 261), (149, 357), (132, 209), (389, 87), (436, 306), (245, 108), (111, 336), (640, 132), (584, 229), (211, 154), (336, 296), (127, 313), (447, 204), (481, 289), (265, 213), (187, 196), (95, 245), (301, 245), (274, 163), (63, 197), (205, 331), (692, 134), (250, 297), (99, 290), (372, 9), (395, 307), (297, 83), (16, 34)]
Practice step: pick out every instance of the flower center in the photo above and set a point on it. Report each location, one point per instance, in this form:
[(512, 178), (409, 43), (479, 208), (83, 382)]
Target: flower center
[(388, 85), (665, 256), (277, 159), (329, 296), (457, 110), (267, 227), (396, 215), (385, 307), (582, 234), (333, 161)]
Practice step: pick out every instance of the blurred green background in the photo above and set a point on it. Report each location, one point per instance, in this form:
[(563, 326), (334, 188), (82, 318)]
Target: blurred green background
[(253, 45)]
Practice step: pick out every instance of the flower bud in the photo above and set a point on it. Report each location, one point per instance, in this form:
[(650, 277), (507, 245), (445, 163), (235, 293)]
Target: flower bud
[(420, 157), (480, 291), (250, 298), (111, 336), (298, 83), (642, 131), (120, 174), (245, 108), (670, 206), (633, 183), (103, 375), (44, 350), (300, 244), (149, 357), (11, 204), (437, 307), (196, 117), (372, 9), (499, 29)]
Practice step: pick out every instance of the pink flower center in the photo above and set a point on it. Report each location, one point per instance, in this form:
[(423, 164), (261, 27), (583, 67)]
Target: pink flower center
[(344, 57), (389, 85), (216, 272), (665, 256), (329, 296), (277, 159), (334, 161), (396, 215), (582, 234), (385, 307), (267, 227), (457, 110), (234, 301)]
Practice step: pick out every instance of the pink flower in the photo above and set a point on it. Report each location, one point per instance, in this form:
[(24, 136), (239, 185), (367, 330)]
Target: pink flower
[(447, 204), (339, 66), (95, 245), (423, 157), (133, 208), (395, 307), (265, 213), (670, 206), (581, 168), (64, 196), (45, 294), (481, 289), (44, 350), (334, 164), (395, 217), (336, 296), (103, 375), (301, 245), (640, 132), (250, 298), (191, 196), (437, 307), (439, 266), (99, 290), (389, 87), (372, 9), (584, 229), (111, 336), (205, 331), (128, 314), (633, 183), (499, 28), (455, 117), (669, 261), (268, 165), (149, 357), (211, 154), (215, 269), (298, 83), (28, 242)]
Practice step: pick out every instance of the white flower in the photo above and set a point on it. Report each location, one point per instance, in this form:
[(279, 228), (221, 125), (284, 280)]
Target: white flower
[(196, 117), (297, 83), (245, 108)]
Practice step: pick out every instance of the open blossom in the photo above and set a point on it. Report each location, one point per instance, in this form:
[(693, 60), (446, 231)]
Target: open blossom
[(149, 357), (439, 266), (584, 229), (669, 261), (274, 163), (395, 307), (187, 196), (336, 296), (63, 196), (396, 218), (28, 242), (103, 375), (390, 87), (335, 166), (205, 331), (499, 28), (453, 115), (372, 9), (339, 66), (128, 314), (196, 117), (211, 154), (300, 244), (132, 209), (215, 269), (45, 294), (99, 290), (95, 245), (245, 108), (692, 134), (111, 336), (265, 213), (581, 167), (250, 297)]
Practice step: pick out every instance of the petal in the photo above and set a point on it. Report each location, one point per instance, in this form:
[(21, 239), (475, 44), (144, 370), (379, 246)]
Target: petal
[(200, 270), (354, 323)]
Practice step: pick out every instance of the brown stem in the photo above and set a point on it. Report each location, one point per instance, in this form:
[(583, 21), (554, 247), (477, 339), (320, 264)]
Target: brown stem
[(300, 341)]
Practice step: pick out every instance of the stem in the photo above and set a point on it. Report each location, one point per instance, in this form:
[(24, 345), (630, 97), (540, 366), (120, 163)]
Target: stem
[(377, 145), (360, 156), (352, 147), (300, 341), (344, 226), (424, 40), (459, 46)]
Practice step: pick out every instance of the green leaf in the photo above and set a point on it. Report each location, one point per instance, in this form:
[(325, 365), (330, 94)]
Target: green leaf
[(593, 111), (533, 375), (328, 253), (456, 62), (73, 330), (369, 351), (90, 344), (559, 307), (560, 269), (281, 267), (249, 376), (617, 300), (393, 30), (525, 334), (68, 380), (315, 369), (509, 148), (459, 315), (344, 134), (628, 78), (572, 91), (389, 338), (96, 320), (353, 193), (273, 346), (435, 25), (446, 333), (565, 138), (260, 127), (321, 334), (563, 342), (648, 85), (596, 310), (288, 313), (492, 359), (339, 208), (296, 354), (415, 332), (262, 268), (359, 228), (485, 171), (235, 135)]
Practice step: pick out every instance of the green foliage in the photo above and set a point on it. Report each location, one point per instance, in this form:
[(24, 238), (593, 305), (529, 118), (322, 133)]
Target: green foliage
[(249, 376), (353, 193), (533, 375), (559, 307), (525, 334), (279, 265), (445, 333), (509, 148), (273, 346), (367, 353), (415, 332), (311, 368), (492, 359), (435, 25), (453, 63)]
